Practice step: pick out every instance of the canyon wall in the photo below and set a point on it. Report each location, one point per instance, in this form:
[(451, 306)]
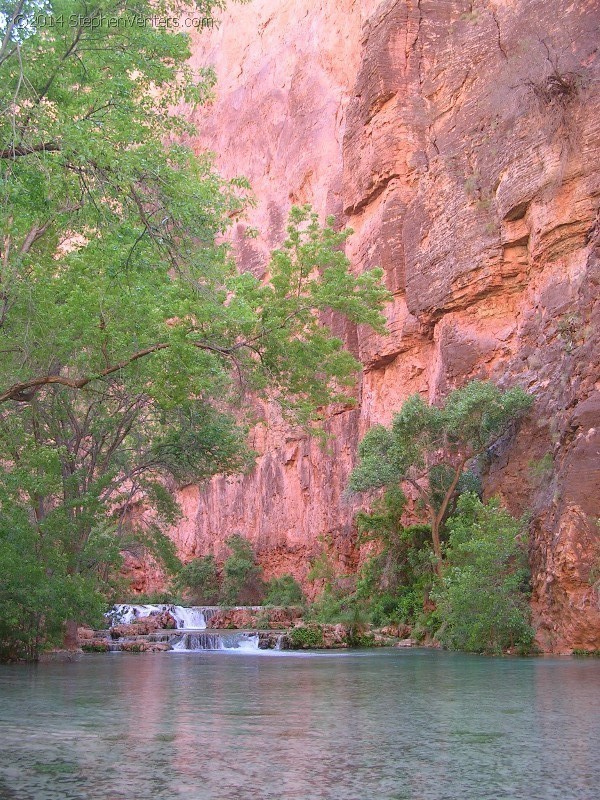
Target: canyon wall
[(461, 142)]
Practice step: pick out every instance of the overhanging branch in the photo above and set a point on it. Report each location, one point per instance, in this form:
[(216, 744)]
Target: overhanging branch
[(24, 391), (16, 151)]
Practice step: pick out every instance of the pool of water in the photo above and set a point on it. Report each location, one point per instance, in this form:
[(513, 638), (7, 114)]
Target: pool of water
[(365, 725)]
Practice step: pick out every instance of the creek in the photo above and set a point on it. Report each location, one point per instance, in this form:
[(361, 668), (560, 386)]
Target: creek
[(387, 724)]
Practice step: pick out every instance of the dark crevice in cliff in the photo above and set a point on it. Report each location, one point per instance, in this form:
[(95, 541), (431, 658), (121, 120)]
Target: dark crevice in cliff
[(497, 24), (369, 198)]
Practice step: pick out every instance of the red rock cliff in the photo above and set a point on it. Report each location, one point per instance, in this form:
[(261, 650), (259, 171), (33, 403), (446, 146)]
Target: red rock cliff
[(461, 142)]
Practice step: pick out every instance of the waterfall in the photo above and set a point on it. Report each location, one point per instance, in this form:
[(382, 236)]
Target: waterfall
[(187, 618), (191, 634), (235, 642)]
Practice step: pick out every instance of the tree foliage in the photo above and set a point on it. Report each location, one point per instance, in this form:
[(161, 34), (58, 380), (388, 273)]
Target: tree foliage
[(130, 343), (429, 448), (111, 268), (395, 563), (483, 595), (395, 580), (38, 590), (242, 576), (284, 591), (199, 581)]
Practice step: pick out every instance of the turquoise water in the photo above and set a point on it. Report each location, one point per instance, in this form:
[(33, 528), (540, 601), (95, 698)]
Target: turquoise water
[(383, 725)]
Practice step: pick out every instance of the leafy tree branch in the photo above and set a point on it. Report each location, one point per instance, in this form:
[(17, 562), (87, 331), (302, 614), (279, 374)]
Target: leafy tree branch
[(429, 448)]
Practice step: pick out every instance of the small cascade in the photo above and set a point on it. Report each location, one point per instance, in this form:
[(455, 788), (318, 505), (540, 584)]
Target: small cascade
[(235, 642), (209, 612), (191, 633), (187, 618), (193, 618)]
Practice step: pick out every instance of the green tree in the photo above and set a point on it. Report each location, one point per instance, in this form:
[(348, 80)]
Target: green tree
[(37, 591), (130, 343), (482, 599), (429, 448), (284, 591), (395, 581), (199, 580), (393, 565), (242, 576)]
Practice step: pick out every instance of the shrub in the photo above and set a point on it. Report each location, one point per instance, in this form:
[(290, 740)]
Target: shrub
[(429, 447), (427, 624), (242, 582), (540, 469), (356, 621), (95, 648), (482, 597), (305, 637), (404, 607), (557, 89), (358, 639), (284, 591), (384, 610), (394, 582), (199, 581), (37, 592), (334, 604), (262, 621)]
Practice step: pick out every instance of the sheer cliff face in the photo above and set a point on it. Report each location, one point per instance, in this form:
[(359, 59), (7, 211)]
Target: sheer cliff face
[(461, 142)]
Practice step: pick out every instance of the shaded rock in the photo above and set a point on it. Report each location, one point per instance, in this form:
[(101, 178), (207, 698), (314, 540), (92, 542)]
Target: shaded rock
[(264, 617), (165, 620), (380, 640), (336, 635), (232, 618), (60, 657), (396, 631), (143, 646), (144, 626), (267, 641)]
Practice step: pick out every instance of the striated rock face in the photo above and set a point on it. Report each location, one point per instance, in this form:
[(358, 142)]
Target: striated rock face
[(461, 142)]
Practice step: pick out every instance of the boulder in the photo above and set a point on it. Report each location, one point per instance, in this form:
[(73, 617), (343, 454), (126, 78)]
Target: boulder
[(267, 641)]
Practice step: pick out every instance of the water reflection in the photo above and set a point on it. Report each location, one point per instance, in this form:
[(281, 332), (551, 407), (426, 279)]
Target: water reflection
[(353, 726), (561, 706)]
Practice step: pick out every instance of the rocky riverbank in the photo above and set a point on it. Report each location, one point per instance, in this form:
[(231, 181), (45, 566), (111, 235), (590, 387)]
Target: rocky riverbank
[(279, 629)]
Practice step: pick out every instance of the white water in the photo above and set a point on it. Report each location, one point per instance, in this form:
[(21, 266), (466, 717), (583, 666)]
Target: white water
[(190, 618), (236, 642), (248, 644)]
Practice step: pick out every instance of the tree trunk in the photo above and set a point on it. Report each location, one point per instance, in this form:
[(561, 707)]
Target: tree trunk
[(70, 641), (437, 546), (437, 520)]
